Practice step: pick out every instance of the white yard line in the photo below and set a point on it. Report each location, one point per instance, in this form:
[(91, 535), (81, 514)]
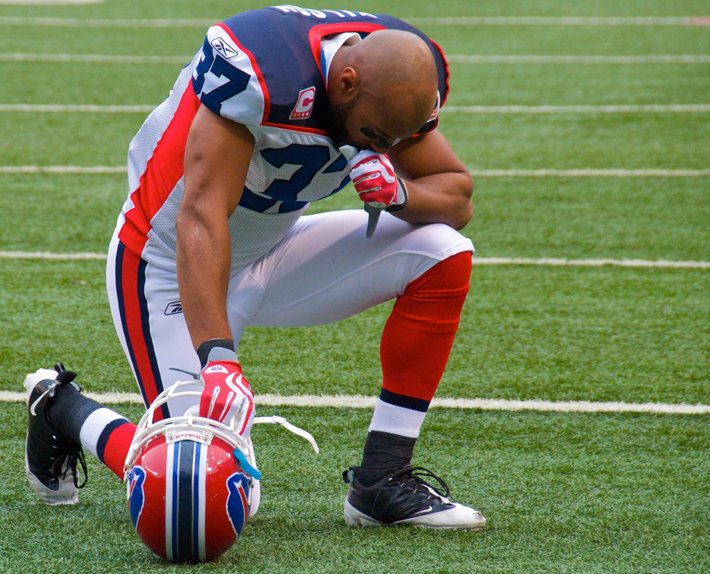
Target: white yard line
[(452, 109), (543, 262), (556, 262), (80, 108), (363, 402), (452, 58), (577, 109), (590, 172), (106, 22), (63, 169), (52, 2), (49, 256), (578, 59), (119, 169), (562, 21), (93, 58), (442, 21)]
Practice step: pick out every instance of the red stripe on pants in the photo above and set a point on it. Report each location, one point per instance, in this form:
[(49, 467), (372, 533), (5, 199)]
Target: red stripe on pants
[(136, 325)]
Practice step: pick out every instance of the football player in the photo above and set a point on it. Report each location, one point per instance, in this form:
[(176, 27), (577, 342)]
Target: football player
[(280, 107)]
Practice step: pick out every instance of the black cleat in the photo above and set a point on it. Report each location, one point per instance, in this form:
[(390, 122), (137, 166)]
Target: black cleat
[(50, 459), (404, 497)]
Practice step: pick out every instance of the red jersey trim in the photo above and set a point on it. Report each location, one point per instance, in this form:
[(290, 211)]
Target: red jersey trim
[(162, 172), (296, 128), (317, 33), (444, 96)]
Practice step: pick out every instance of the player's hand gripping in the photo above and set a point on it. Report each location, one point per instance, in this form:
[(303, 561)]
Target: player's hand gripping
[(226, 394), (374, 179)]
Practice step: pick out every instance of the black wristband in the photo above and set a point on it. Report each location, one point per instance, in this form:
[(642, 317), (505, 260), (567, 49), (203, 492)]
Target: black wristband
[(203, 351), (398, 206)]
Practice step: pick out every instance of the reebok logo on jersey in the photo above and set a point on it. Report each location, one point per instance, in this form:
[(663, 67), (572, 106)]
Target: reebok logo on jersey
[(224, 49), (304, 105)]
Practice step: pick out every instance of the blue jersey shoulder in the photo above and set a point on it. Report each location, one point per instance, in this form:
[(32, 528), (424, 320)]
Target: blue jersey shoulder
[(284, 42)]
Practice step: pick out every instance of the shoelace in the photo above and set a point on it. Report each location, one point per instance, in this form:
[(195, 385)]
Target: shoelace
[(414, 477), (71, 459)]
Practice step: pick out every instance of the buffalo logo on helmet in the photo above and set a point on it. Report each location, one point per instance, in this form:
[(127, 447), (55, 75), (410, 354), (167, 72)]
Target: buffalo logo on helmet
[(192, 482), (136, 495), (188, 501), (237, 500)]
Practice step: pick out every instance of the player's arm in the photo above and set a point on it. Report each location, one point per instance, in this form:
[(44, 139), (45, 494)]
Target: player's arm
[(217, 156), (439, 186)]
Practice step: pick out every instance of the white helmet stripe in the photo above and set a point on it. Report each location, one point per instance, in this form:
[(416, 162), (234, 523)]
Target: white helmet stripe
[(170, 480), (201, 498)]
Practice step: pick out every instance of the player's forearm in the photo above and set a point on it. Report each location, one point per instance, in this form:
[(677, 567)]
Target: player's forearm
[(203, 255), (439, 198), (217, 155)]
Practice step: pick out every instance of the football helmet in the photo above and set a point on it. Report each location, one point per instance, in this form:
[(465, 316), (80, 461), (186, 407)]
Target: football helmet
[(192, 482)]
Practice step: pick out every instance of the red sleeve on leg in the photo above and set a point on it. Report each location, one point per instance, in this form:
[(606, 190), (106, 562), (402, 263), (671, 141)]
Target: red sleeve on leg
[(117, 445), (420, 331)]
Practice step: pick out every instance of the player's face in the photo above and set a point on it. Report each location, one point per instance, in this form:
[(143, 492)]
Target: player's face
[(361, 122), (338, 116)]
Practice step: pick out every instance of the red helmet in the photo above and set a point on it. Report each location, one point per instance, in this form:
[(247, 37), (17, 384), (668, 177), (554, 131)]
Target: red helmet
[(190, 480)]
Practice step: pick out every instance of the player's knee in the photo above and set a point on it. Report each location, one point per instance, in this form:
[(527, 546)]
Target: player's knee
[(452, 274)]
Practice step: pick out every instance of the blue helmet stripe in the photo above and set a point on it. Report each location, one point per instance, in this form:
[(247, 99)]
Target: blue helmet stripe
[(183, 516)]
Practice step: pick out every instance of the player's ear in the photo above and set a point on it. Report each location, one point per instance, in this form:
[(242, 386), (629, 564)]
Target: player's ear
[(349, 82)]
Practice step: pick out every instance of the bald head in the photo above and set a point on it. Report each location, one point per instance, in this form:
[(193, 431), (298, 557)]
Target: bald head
[(391, 60), (393, 71)]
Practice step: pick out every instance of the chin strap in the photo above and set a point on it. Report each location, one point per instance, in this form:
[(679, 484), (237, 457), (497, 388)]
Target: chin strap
[(288, 426), (246, 464), (246, 459)]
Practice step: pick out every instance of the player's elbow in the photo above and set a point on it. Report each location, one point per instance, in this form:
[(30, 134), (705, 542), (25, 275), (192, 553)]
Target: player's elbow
[(463, 213), (464, 216), (191, 223)]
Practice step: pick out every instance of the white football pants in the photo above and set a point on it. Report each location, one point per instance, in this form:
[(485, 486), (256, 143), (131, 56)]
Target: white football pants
[(324, 270)]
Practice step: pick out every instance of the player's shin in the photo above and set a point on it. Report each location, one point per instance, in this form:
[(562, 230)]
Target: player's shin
[(415, 347), (417, 340)]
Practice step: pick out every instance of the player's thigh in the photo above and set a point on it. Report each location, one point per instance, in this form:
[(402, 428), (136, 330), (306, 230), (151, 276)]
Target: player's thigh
[(327, 270), (148, 317)]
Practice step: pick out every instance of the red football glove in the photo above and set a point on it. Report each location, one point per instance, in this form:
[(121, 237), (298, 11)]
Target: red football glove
[(374, 179), (226, 394)]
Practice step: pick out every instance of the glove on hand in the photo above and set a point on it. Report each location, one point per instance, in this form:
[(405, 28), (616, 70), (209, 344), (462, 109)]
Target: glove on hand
[(226, 394), (374, 179)]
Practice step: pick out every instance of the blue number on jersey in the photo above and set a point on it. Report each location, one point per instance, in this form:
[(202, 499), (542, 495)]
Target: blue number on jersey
[(237, 79), (311, 159)]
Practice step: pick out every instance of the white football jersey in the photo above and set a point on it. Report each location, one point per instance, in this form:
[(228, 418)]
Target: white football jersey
[(265, 69)]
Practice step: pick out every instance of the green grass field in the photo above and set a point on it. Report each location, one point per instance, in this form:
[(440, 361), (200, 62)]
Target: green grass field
[(563, 492)]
